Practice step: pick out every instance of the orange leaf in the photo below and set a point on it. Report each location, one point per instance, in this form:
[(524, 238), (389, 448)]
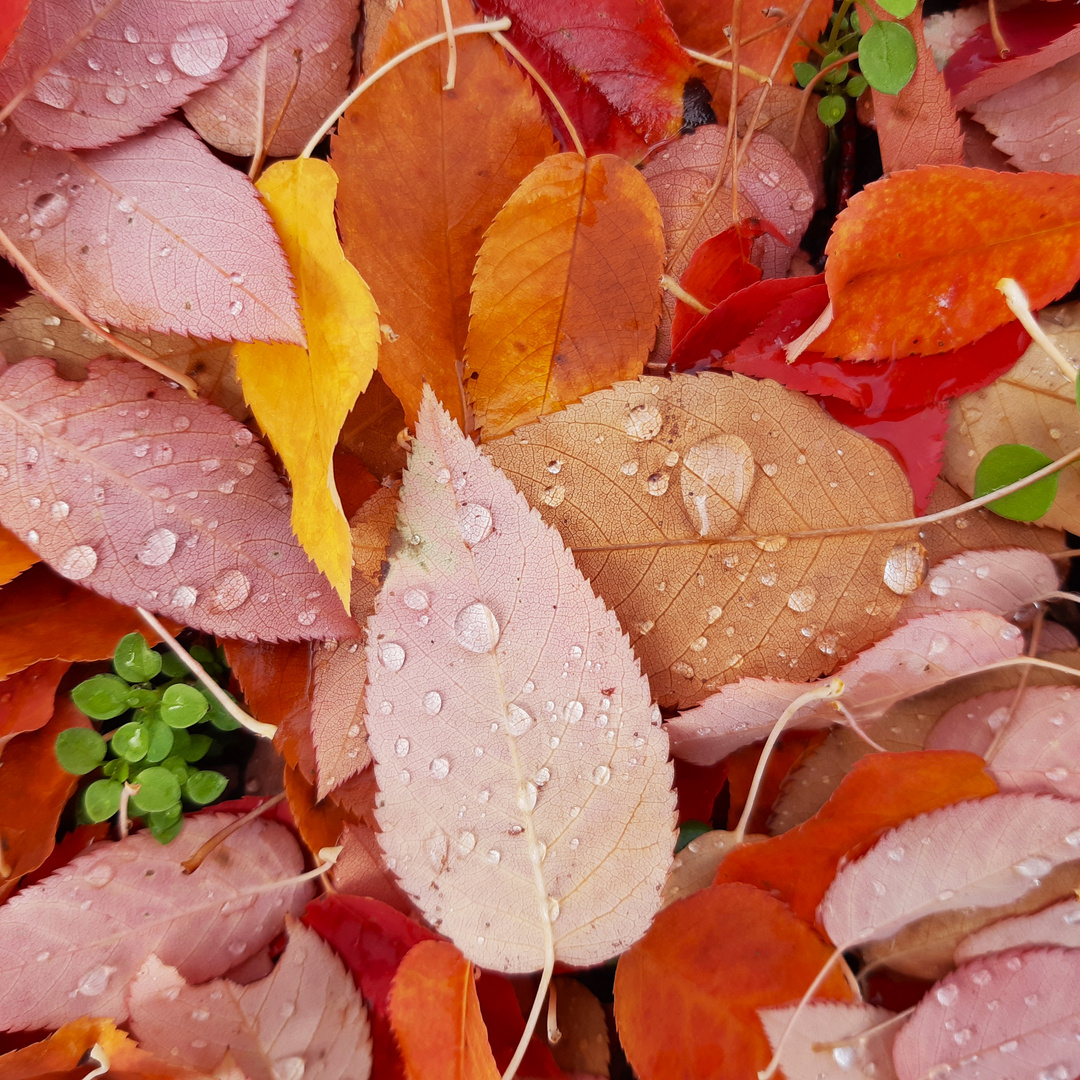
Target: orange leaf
[(880, 792), (436, 1017), (320, 821), (687, 994), (566, 296), (26, 698), (422, 175), (34, 792), (15, 556), (923, 281)]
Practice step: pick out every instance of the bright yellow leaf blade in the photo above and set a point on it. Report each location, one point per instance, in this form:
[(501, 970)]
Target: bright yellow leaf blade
[(301, 397)]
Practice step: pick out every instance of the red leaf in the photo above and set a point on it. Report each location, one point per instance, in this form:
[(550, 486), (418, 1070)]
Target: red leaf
[(698, 787), (877, 794), (26, 698), (12, 14)]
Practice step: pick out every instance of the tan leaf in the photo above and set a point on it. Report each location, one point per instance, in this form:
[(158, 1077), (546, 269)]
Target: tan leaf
[(510, 691), (1033, 405), (696, 865), (583, 1048), (677, 497)]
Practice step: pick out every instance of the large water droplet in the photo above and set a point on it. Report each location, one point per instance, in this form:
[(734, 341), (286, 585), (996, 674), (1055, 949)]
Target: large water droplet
[(494, 857), (401, 747), (433, 702), (230, 590), (99, 875), (158, 548), (716, 478), (474, 522), (49, 209), (184, 596), (440, 768), (59, 510), (93, 983), (517, 721), (947, 994), (391, 655), (56, 90), (415, 599), (657, 484), (526, 798), (199, 49), (573, 712), (1034, 867), (643, 422), (476, 628), (802, 599), (78, 562), (601, 775), (905, 568), (116, 94)]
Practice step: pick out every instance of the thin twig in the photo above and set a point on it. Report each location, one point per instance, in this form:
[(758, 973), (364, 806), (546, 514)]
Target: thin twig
[(193, 863), (298, 60), (451, 47), (808, 89), (733, 104), (726, 65), (1000, 43), (669, 284), (258, 155), (1017, 302), (757, 35)]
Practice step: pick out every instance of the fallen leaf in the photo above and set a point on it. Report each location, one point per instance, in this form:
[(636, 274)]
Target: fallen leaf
[(694, 868), (107, 504), (15, 556), (565, 296), (691, 984), (97, 76), (98, 237), (305, 1018), (1032, 405), (436, 1018), (12, 15), (319, 822), (37, 327), (26, 698), (289, 96), (1054, 925), (583, 1046), (371, 429), (64, 955), (678, 497), (480, 610), (360, 870), (941, 280), (879, 792), (1016, 983), (423, 174), (301, 397)]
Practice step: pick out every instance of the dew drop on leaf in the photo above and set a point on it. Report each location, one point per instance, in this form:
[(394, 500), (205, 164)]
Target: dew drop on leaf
[(905, 568), (230, 590), (49, 209), (802, 599), (158, 548), (474, 522), (184, 596), (199, 49), (476, 628), (433, 702), (440, 768), (601, 775), (716, 478), (415, 599), (643, 422), (77, 562), (517, 721), (391, 655)]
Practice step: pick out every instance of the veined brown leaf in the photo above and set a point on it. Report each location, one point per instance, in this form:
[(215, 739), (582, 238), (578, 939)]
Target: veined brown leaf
[(498, 683)]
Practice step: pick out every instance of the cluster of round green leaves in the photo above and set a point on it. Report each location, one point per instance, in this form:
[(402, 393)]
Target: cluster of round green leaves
[(886, 56), (155, 747)]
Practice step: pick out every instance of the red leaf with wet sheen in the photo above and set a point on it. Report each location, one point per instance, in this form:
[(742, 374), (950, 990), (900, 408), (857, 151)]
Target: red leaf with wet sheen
[(26, 698)]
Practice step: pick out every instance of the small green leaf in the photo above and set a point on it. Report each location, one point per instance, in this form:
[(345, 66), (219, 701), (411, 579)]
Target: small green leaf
[(197, 747), (162, 738), (158, 790), (856, 21), (102, 697), (209, 660), (217, 716), (182, 706), (204, 786), (138, 698), (887, 57), (164, 833), (178, 767), (80, 750), (1005, 465), (172, 666), (102, 799), (900, 8), (831, 109), (804, 72), (131, 741), (690, 830), (856, 86), (134, 660), (117, 769)]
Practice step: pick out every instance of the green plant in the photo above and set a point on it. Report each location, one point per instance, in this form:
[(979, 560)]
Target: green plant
[(157, 727)]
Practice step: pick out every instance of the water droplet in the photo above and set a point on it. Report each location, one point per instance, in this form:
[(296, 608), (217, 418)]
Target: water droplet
[(78, 562), (306, 618), (629, 468), (658, 483), (1056, 775), (466, 842), (947, 994), (494, 857), (905, 568), (49, 209), (184, 596), (768, 580), (32, 536), (404, 776), (716, 478), (230, 590), (802, 599), (94, 64), (56, 90), (517, 721), (158, 548), (554, 467), (199, 49), (982, 977), (1033, 867), (573, 712), (1009, 1047), (116, 94), (526, 797), (440, 768), (601, 775), (99, 875), (128, 204), (236, 307), (391, 655), (476, 628), (553, 496), (770, 469), (93, 983), (543, 776), (643, 422), (938, 644), (1010, 633), (940, 585), (59, 510), (27, 455), (474, 522)]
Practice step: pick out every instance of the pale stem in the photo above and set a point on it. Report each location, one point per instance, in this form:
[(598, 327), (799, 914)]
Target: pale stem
[(733, 105), (193, 863), (786, 20), (97, 1054), (995, 31), (258, 155), (1017, 300), (794, 349), (825, 692), (1019, 661), (554, 1035), (256, 727), (298, 60), (5, 867), (30, 272), (1057, 595), (726, 65), (378, 73), (451, 47), (669, 284), (866, 1033), (122, 822), (852, 723), (540, 81), (808, 89)]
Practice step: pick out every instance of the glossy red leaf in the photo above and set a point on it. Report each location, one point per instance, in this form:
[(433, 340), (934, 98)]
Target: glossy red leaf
[(12, 14), (26, 698)]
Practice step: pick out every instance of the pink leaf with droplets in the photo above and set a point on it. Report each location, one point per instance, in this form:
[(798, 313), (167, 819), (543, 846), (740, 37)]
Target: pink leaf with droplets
[(128, 486), (1000, 582), (918, 656), (984, 853), (97, 76), (72, 943), (1011, 1015), (151, 234), (1039, 748), (512, 692), (337, 712), (1058, 924), (306, 1018)]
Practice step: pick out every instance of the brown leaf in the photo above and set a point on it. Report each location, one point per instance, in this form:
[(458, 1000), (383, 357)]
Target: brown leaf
[(677, 497), (583, 1047), (423, 174), (371, 429)]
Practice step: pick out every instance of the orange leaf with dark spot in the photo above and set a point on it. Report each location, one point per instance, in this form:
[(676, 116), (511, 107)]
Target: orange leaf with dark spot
[(15, 556), (687, 994), (26, 698), (878, 793)]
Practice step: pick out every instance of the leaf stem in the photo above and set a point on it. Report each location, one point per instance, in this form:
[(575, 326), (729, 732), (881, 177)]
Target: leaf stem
[(193, 863), (258, 154), (733, 104), (726, 65), (451, 47), (1017, 300), (378, 73), (809, 88), (669, 284)]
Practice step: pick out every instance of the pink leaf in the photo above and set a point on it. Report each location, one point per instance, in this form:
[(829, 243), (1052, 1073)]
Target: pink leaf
[(982, 853), (1040, 747), (1004, 1016), (306, 1018), (337, 712), (128, 486), (72, 943), (110, 74), (1000, 582), (152, 234), (227, 113), (1058, 924), (915, 657), (846, 1054)]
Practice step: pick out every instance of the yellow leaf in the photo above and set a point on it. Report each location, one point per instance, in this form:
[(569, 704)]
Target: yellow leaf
[(301, 397)]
